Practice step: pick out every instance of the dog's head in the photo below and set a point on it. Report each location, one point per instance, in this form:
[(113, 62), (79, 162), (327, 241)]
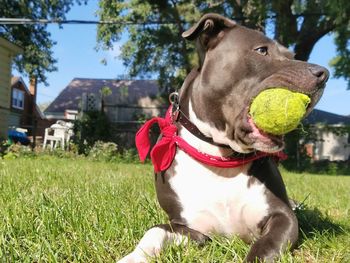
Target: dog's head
[(238, 63)]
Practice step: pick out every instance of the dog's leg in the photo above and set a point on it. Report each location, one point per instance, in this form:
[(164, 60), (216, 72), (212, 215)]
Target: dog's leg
[(279, 232), (157, 237)]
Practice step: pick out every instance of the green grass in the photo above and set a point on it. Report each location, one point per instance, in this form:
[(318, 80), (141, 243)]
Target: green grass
[(75, 210)]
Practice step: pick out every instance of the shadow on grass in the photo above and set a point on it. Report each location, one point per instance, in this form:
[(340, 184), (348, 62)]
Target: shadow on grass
[(312, 223)]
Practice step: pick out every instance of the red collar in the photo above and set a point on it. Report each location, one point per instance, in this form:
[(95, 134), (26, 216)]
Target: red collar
[(163, 153)]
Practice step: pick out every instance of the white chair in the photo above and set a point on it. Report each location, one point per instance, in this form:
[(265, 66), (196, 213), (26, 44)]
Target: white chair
[(58, 133)]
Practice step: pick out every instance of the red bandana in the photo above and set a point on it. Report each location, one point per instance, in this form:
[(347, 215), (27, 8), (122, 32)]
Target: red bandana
[(163, 153)]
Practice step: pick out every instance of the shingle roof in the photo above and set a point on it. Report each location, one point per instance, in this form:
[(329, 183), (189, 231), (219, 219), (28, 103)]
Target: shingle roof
[(320, 116), (130, 91), (15, 81), (123, 92)]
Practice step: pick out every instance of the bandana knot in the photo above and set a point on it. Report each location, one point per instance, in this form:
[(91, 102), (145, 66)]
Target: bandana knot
[(164, 151)]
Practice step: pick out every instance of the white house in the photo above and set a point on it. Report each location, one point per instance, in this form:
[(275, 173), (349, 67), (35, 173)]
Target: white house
[(333, 139)]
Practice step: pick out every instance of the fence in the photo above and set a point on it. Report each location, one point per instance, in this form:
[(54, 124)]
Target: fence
[(125, 120)]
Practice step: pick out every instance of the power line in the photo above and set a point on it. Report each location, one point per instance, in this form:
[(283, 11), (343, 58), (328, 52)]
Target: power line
[(28, 21)]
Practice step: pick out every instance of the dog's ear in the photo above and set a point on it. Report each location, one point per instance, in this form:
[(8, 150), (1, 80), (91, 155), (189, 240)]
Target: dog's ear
[(209, 24), (207, 31)]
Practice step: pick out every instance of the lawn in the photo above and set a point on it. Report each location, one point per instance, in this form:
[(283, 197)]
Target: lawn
[(76, 210)]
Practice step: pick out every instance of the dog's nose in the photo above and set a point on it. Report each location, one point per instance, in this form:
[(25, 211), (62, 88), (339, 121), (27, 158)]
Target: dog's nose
[(320, 73)]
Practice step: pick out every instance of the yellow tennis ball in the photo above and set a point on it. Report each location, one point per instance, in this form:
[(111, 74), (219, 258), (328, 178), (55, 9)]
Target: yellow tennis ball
[(278, 110)]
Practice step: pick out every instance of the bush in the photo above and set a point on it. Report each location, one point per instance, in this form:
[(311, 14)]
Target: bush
[(13, 151), (103, 151), (330, 168), (129, 156), (93, 126), (3, 147), (58, 152), (100, 151)]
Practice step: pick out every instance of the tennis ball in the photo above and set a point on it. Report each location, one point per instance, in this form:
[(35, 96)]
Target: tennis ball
[(278, 110)]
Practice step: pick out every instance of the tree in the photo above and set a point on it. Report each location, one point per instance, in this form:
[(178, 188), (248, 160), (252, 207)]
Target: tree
[(37, 58), (104, 91), (154, 28)]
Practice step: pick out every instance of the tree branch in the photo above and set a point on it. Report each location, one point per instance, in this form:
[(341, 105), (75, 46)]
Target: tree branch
[(307, 39), (286, 22), (186, 62), (312, 29), (237, 9)]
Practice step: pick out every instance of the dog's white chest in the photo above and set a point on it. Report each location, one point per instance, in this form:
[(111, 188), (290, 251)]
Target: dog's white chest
[(216, 200)]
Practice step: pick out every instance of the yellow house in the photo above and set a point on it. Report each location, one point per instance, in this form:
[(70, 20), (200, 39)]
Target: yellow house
[(8, 50)]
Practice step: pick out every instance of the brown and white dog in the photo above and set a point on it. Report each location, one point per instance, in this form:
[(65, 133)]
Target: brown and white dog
[(250, 200)]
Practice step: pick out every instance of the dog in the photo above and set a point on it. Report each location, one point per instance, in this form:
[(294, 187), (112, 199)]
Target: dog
[(209, 119)]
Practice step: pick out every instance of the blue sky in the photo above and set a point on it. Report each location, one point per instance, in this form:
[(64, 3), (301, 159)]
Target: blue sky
[(77, 57)]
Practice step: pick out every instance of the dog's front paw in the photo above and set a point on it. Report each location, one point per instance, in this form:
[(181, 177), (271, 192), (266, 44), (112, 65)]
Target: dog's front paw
[(134, 257)]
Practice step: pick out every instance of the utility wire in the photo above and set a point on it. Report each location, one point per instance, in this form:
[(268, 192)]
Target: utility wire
[(27, 21)]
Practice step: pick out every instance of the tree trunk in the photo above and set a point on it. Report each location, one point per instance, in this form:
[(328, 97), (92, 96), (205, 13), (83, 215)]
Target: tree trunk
[(306, 43)]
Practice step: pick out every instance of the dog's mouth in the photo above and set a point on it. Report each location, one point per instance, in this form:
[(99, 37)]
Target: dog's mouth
[(263, 141)]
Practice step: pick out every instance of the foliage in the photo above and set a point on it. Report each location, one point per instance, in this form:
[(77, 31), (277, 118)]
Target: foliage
[(105, 92), (75, 210), (341, 130), (328, 167), (91, 127), (130, 156), (341, 61), (298, 159), (17, 150), (10, 151), (109, 152), (295, 142), (13, 151), (36, 41), (3, 147), (154, 29), (56, 153), (103, 151), (99, 151)]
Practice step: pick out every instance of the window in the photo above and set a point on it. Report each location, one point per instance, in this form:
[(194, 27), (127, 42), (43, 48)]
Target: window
[(17, 99)]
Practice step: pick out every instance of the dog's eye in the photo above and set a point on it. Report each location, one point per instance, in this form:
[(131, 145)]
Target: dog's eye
[(261, 50)]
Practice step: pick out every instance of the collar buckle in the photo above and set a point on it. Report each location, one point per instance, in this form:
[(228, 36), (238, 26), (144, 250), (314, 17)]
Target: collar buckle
[(175, 110)]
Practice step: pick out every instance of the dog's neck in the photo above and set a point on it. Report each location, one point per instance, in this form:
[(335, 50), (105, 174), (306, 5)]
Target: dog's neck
[(186, 109), (199, 144)]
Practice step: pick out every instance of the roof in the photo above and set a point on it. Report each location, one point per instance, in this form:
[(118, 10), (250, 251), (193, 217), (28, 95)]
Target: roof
[(320, 116), (14, 49), (123, 92), (15, 81)]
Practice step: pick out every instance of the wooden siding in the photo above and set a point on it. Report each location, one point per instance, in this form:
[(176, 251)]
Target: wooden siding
[(7, 51), (5, 78), (5, 82), (3, 123), (14, 119)]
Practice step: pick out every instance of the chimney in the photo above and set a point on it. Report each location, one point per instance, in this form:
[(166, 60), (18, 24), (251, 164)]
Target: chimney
[(32, 86)]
